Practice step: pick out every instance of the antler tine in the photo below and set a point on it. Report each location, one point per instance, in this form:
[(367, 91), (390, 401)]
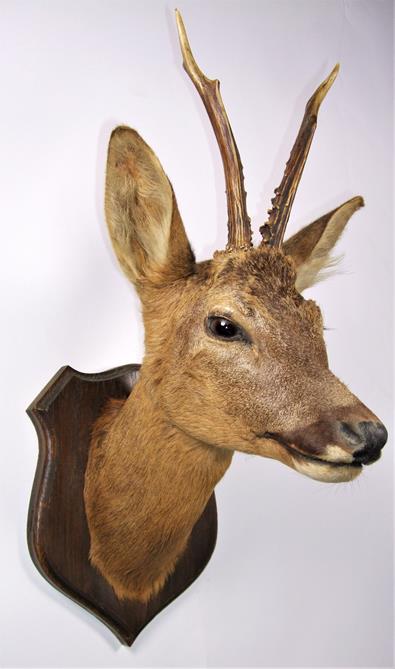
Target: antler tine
[(239, 228), (273, 230)]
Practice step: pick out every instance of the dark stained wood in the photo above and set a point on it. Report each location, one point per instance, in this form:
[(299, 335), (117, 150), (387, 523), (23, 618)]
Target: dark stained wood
[(58, 537)]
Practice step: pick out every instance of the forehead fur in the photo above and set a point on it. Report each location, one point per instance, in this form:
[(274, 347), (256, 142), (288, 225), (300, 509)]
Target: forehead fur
[(260, 277), (268, 267), (260, 271)]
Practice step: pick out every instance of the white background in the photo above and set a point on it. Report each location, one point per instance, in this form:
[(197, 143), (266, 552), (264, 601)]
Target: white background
[(301, 575)]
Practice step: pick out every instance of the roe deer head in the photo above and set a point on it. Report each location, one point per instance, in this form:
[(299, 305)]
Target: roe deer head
[(235, 357)]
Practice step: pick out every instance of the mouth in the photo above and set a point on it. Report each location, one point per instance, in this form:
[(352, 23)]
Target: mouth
[(315, 467)]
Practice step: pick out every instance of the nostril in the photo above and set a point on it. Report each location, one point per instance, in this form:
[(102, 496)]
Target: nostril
[(374, 434), (350, 435), (365, 439)]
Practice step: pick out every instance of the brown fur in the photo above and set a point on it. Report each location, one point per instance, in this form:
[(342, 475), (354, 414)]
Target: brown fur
[(155, 460), (146, 486)]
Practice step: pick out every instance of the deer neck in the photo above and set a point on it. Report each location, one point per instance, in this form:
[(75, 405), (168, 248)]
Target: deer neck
[(147, 483)]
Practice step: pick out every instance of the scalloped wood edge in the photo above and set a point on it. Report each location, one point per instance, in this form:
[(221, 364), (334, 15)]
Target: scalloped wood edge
[(57, 532)]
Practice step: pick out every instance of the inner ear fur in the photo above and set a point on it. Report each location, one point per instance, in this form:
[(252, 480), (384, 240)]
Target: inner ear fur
[(310, 248), (144, 223)]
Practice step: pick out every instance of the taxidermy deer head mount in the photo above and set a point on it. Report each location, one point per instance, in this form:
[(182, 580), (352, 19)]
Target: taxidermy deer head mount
[(235, 357)]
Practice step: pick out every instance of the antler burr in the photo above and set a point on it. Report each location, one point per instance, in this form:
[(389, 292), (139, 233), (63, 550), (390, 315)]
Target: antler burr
[(239, 228)]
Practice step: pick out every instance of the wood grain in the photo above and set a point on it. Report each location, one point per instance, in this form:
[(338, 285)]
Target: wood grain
[(58, 537)]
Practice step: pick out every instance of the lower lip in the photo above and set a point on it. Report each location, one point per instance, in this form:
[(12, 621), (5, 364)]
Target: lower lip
[(318, 461), (311, 458)]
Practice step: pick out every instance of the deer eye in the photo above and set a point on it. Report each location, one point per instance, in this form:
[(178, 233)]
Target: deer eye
[(223, 328)]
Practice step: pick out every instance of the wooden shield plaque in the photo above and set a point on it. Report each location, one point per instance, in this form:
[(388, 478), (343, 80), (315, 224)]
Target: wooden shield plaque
[(58, 536)]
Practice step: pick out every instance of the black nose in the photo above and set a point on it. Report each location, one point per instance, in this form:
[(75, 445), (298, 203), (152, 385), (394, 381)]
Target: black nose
[(367, 438)]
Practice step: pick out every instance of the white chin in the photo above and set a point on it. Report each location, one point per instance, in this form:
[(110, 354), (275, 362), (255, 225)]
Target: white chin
[(322, 471)]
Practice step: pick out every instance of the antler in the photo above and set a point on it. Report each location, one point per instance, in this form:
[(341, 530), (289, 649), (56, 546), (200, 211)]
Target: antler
[(273, 230), (239, 228)]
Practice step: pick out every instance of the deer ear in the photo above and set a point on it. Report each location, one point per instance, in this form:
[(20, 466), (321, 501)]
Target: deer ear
[(310, 248), (145, 226)]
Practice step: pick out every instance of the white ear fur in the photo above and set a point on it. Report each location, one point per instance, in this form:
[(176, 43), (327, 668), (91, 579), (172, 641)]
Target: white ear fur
[(311, 246)]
